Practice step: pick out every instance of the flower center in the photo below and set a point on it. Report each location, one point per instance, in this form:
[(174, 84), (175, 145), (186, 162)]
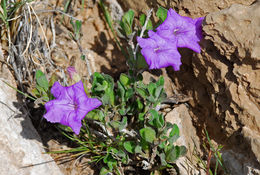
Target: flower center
[(157, 49), (175, 31), (73, 105)]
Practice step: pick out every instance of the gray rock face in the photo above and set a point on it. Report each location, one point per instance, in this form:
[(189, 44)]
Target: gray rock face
[(224, 81), (20, 147)]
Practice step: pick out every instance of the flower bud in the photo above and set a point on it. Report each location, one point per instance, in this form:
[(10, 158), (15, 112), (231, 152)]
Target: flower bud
[(73, 74)]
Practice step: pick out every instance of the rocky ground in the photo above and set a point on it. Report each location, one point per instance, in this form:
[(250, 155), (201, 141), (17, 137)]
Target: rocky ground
[(222, 84)]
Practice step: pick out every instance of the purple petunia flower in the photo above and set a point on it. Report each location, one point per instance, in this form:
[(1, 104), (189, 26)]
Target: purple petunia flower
[(70, 106), (185, 30), (158, 52)]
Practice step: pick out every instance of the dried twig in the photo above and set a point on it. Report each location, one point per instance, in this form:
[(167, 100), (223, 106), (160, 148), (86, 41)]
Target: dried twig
[(30, 35), (53, 44), (46, 40), (59, 11)]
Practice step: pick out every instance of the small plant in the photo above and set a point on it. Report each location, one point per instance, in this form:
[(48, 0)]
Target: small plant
[(213, 153), (121, 124), (126, 128)]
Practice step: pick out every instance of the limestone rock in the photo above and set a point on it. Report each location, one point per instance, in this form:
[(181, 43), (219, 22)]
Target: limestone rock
[(192, 8), (224, 80), (20, 146), (188, 137)]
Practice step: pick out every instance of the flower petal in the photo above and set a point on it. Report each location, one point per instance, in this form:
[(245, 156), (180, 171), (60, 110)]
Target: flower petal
[(150, 57), (185, 30), (188, 43), (86, 105), (57, 109), (70, 106), (61, 92), (146, 42), (198, 24), (170, 57)]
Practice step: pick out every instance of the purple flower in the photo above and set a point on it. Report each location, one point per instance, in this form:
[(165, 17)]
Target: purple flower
[(158, 52), (70, 106), (185, 30)]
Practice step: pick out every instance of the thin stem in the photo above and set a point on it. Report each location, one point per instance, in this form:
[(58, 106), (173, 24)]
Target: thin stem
[(208, 162), (149, 13), (26, 95)]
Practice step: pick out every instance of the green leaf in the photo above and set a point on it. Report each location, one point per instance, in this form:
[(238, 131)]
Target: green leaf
[(175, 131), (121, 91), (42, 80), (111, 95), (104, 171), (141, 116), (129, 93), (174, 134), (141, 63), (162, 145), (123, 124), (124, 79), (158, 91), (114, 124), (129, 17), (183, 150), (148, 134), (160, 81), (103, 86), (161, 13), (156, 120), (140, 105), (35, 92), (127, 22), (130, 146), (138, 149), (94, 114), (162, 158), (145, 145), (172, 154), (152, 88), (53, 79), (142, 19), (167, 127), (40, 89), (142, 92), (109, 160), (124, 157), (78, 25)]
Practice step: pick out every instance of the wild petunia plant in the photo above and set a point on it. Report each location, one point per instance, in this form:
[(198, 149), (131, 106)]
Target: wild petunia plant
[(122, 124), (70, 106)]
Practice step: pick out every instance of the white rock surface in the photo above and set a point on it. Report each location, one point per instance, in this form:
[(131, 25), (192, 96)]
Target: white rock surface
[(20, 146), (188, 137)]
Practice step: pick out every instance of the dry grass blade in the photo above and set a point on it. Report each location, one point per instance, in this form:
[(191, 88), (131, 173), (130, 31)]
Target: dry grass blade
[(30, 36)]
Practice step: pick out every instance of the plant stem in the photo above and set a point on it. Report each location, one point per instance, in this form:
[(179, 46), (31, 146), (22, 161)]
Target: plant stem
[(26, 95), (149, 13), (208, 162)]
